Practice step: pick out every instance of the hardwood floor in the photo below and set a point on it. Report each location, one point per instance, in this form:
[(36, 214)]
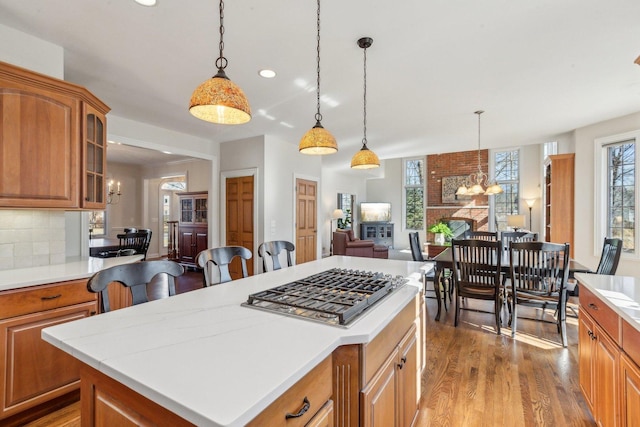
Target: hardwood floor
[(474, 377)]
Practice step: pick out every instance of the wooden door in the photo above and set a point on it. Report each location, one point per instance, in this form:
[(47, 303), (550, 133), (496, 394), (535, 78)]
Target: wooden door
[(306, 214), (239, 207)]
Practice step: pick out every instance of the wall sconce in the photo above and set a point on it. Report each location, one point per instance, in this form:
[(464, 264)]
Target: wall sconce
[(113, 195), (516, 221)]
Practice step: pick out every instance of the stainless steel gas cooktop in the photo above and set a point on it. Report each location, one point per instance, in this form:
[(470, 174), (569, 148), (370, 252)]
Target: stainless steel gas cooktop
[(335, 297)]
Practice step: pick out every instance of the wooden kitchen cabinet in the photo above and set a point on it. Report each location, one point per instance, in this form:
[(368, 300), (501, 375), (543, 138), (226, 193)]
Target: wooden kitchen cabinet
[(630, 393), (94, 158), (599, 360), (33, 372), (44, 141), (193, 235), (391, 398)]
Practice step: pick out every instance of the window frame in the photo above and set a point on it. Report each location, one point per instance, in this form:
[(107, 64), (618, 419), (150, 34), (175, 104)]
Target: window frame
[(405, 161), (492, 166), (601, 181)]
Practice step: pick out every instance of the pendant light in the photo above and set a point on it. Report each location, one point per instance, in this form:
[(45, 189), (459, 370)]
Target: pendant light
[(219, 100), (476, 180), (318, 140), (365, 158)]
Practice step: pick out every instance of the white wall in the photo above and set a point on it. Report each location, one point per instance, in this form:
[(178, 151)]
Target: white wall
[(585, 241), (31, 53)]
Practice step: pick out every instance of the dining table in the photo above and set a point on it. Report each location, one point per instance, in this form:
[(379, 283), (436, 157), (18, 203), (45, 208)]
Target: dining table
[(444, 261)]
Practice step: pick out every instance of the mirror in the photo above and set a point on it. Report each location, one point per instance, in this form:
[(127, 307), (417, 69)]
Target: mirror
[(346, 202)]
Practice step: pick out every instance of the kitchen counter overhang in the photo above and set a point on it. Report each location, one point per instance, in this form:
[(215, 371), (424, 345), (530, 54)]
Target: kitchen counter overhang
[(213, 362)]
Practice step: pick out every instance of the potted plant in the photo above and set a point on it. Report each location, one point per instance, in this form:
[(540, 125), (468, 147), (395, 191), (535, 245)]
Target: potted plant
[(441, 231)]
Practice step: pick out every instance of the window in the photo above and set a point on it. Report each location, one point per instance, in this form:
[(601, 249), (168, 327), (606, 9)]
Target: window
[(507, 174), (97, 223), (414, 194), (616, 191)]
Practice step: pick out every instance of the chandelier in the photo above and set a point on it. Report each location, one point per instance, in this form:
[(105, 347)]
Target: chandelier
[(113, 195), (476, 181)]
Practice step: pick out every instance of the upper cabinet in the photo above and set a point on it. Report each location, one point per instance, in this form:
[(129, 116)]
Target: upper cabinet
[(52, 143)]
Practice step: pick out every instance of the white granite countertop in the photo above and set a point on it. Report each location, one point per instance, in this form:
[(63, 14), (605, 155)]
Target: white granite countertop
[(73, 269), (214, 362), (620, 293)]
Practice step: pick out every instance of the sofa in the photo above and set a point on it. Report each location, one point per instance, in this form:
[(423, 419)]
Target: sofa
[(345, 243)]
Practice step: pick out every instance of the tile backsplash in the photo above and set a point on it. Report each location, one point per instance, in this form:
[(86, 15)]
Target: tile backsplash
[(30, 238)]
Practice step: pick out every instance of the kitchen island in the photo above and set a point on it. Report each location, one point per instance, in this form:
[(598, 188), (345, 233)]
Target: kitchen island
[(212, 362)]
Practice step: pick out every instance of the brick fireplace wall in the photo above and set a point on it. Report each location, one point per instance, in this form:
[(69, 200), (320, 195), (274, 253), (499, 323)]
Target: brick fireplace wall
[(448, 165)]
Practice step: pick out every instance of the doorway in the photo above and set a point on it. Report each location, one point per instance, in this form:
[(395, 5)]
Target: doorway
[(306, 220), (239, 219)]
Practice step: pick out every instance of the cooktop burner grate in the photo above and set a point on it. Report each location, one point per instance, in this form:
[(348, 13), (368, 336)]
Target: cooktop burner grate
[(335, 296)]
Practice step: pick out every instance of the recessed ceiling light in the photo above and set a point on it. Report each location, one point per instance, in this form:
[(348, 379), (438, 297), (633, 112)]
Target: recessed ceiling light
[(146, 2), (267, 74)]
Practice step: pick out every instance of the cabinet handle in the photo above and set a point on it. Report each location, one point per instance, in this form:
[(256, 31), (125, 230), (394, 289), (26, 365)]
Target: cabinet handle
[(51, 297), (403, 360), (301, 412), (593, 306)]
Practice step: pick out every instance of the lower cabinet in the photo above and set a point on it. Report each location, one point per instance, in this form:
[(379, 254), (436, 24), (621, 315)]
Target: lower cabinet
[(191, 241), (391, 397), (630, 392), (32, 371)]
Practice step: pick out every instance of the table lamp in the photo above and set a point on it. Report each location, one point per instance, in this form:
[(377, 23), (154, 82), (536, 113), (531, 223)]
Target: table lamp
[(516, 221)]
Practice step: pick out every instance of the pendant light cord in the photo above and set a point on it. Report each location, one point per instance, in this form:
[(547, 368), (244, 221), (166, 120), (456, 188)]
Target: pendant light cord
[(221, 62), (318, 115), (364, 120), (479, 112)]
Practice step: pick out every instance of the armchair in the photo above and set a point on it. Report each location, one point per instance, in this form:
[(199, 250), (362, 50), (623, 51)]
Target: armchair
[(344, 243)]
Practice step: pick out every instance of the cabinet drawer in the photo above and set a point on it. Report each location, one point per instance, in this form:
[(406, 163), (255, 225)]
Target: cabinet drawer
[(315, 387), (631, 341), (17, 302), (601, 313)]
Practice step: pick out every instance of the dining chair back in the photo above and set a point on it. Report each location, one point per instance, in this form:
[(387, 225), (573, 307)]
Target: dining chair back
[(506, 237), (416, 250), (273, 250), (611, 250), (476, 273), (539, 272), (481, 235), (136, 277), (220, 258), (137, 240)]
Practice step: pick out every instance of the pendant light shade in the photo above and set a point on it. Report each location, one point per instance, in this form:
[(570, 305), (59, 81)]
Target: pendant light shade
[(219, 100), (318, 140), (365, 158)]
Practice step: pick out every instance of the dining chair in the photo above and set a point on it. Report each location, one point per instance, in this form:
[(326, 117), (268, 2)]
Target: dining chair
[(538, 279), (611, 250), (273, 249), (476, 273), (221, 258), (506, 237), (430, 276), (137, 240), (136, 277), (481, 235)]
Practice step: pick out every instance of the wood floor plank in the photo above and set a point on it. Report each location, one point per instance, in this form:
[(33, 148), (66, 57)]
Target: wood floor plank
[(474, 377)]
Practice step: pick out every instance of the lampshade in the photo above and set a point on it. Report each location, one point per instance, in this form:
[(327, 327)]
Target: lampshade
[(516, 221), (318, 141), (365, 159), (530, 202), (219, 100), (337, 214)]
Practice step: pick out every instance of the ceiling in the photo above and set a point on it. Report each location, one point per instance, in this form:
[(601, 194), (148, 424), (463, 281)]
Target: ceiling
[(538, 68)]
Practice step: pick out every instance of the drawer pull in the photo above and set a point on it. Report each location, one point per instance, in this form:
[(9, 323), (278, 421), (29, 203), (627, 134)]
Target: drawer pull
[(50, 297), (593, 306), (302, 410), (403, 361)]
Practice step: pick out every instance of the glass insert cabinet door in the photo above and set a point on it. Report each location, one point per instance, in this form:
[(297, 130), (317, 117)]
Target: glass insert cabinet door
[(186, 210), (95, 159)]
